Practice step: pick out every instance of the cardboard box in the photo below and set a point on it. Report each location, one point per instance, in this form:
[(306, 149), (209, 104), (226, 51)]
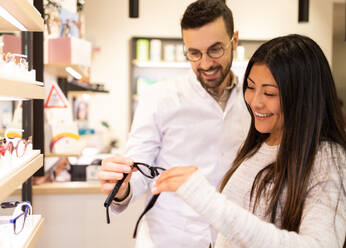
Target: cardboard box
[(69, 50)]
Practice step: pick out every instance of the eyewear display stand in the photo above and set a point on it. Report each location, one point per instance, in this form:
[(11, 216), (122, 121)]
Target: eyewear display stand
[(14, 89)]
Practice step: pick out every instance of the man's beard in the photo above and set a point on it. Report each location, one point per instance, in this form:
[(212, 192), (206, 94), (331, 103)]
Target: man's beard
[(213, 84)]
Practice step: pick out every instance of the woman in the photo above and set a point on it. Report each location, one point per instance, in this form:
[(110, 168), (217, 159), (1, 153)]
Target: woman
[(286, 187)]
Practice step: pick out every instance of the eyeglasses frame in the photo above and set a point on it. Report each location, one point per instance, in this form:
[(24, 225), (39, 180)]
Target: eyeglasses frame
[(26, 210), (224, 48), (154, 172)]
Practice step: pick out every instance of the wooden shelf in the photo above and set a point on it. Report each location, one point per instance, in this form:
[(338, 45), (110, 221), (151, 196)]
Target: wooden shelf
[(59, 70), (19, 176), (65, 188), (24, 12), (20, 89), (35, 234), (62, 154), (160, 64), (27, 238)]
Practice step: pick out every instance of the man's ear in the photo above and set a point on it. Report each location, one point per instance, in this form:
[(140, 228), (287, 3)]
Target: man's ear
[(235, 40)]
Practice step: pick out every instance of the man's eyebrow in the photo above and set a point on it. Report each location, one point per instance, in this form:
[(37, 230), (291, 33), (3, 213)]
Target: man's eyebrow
[(215, 44)]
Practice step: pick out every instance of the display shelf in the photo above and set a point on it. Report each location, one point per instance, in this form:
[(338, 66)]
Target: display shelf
[(62, 154), (59, 70), (20, 89), (160, 64), (57, 188), (24, 12), (19, 176), (67, 188), (80, 87), (27, 238), (35, 234)]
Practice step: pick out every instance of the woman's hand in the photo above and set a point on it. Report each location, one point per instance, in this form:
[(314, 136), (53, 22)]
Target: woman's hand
[(172, 179)]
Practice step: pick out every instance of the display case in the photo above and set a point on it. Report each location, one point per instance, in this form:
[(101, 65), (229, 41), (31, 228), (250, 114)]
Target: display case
[(14, 174)]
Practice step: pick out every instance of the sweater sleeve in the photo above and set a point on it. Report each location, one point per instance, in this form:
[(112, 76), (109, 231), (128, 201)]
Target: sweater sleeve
[(231, 220)]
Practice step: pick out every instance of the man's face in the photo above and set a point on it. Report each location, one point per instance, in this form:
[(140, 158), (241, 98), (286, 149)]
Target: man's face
[(213, 73)]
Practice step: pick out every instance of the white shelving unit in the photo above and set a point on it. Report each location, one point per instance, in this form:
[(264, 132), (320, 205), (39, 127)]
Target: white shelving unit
[(31, 19)]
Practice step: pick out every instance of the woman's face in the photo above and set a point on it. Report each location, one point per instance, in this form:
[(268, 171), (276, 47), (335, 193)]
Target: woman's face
[(262, 95)]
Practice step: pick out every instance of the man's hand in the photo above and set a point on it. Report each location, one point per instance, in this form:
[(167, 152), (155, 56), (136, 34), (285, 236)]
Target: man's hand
[(112, 170)]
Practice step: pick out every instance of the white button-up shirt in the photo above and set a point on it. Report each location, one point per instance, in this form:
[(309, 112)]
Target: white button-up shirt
[(178, 123)]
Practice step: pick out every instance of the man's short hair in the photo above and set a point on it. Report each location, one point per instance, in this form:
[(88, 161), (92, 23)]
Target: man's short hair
[(202, 12)]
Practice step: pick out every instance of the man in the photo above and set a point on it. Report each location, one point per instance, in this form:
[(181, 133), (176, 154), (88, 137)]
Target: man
[(199, 120)]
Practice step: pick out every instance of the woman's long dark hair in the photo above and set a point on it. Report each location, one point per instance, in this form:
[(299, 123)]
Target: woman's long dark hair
[(311, 113)]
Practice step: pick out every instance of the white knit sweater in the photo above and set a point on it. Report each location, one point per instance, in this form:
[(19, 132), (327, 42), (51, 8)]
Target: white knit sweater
[(231, 216)]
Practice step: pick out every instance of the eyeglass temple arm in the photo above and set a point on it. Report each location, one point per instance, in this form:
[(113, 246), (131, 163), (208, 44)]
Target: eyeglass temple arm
[(147, 208), (115, 190), (112, 194), (9, 204)]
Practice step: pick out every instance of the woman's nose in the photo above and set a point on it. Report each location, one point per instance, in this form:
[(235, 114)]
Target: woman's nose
[(257, 100)]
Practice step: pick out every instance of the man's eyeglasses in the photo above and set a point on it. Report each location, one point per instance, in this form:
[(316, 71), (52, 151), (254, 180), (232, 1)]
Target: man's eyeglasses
[(216, 51), (21, 212), (148, 171)]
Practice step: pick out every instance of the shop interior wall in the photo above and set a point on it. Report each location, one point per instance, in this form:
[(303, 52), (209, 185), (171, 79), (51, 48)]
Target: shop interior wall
[(109, 27)]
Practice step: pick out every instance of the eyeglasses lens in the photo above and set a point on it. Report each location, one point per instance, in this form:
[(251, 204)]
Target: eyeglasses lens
[(145, 170)]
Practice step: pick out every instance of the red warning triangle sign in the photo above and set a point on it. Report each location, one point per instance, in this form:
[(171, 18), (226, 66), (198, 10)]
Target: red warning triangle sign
[(54, 99)]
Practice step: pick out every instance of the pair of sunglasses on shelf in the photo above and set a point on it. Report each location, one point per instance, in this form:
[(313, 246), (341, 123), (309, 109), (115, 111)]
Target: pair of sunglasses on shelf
[(147, 171)]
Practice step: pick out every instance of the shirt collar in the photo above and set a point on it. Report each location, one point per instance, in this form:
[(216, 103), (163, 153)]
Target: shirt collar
[(231, 84)]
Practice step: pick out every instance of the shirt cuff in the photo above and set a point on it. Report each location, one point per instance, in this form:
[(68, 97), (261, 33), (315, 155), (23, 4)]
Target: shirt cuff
[(119, 206)]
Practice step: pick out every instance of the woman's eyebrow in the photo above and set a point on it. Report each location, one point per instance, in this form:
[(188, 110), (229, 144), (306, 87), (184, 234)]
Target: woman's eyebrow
[(251, 80), (264, 85)]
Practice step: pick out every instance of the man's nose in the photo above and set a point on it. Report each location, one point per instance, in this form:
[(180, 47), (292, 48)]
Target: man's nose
[(206, 62)]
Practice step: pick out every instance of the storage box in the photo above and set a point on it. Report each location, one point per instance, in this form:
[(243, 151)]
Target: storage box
[(69, 51), (78, 172)]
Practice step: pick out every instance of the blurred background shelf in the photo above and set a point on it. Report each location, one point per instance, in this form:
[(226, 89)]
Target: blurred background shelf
[(20, 175), (24, 12), (20, 89)]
